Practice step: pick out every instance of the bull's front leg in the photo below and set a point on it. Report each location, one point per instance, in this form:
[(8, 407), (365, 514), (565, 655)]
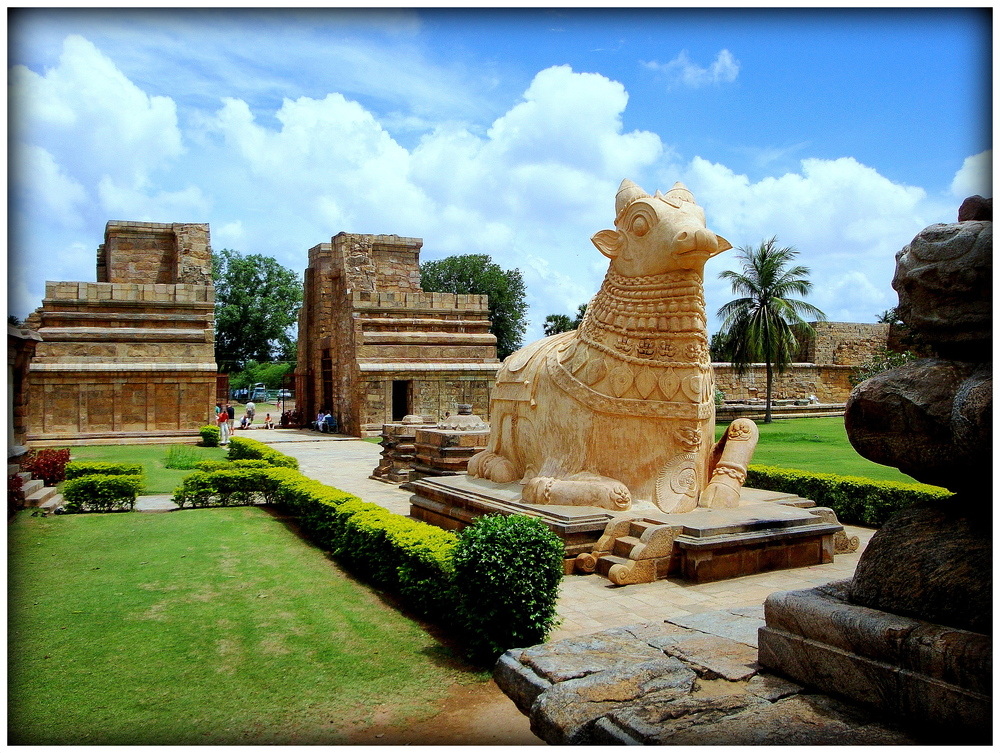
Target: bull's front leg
[(579, 489), (728, 466)]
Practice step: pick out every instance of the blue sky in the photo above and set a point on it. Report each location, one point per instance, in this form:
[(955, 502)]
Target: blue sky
[(843, 132)]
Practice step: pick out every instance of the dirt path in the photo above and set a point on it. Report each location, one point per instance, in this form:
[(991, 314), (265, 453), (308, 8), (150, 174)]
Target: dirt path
[(477, 714)]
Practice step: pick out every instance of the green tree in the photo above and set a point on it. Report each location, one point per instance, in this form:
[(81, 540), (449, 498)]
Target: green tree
[(556, 323), (757, 328), (270, 374), (477, 273), (882, 359), (256, 303)]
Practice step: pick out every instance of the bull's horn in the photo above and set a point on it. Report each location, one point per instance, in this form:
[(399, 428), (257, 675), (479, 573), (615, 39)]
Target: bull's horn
[(627, 193), (680, 192)]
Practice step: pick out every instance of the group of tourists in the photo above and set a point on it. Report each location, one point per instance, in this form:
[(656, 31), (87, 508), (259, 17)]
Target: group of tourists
[(325, 422), (225, 418)]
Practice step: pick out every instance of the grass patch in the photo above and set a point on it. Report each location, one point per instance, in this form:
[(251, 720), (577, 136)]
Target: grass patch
[(160, 479), (215, 626), (182, 457), (818, 445)]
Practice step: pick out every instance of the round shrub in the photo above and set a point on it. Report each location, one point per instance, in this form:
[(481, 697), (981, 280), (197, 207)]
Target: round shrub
[(507, 574), (210, 436)]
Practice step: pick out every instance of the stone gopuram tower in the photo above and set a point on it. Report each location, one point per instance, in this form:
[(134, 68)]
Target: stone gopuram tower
[(132, 354), (374, 347)]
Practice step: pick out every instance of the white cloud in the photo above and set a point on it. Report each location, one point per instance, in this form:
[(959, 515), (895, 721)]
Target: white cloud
[(683, 71), (50, 192), (974, 177), (94, 121), (846, 220)]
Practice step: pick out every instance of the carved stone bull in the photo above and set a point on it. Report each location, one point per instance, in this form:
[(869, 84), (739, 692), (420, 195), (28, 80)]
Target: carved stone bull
[(622, 411)]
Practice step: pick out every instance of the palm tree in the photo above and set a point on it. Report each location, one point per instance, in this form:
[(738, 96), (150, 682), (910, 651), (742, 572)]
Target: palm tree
[(758, 328)]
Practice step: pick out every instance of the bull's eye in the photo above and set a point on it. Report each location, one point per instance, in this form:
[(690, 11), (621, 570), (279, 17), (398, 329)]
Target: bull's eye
[(640, 226)]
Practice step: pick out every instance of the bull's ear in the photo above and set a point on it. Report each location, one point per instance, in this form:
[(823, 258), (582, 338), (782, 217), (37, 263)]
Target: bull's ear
[(608, 242), (724, 245)]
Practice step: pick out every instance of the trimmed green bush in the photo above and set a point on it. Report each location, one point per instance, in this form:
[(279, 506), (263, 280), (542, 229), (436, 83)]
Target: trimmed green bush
[(507, 572), (231, 486), (504, 595), (856, 500), (101, 493), (79, 468), (243, 448), (210, 436), (218, 465)]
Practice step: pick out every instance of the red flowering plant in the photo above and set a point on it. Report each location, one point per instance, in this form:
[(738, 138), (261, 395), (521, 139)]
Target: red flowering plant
[(48, 465)]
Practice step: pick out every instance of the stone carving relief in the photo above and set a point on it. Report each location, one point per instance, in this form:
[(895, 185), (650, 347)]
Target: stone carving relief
[(618, 414)]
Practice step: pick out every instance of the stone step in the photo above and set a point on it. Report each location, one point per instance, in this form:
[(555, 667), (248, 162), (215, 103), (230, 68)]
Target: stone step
[(624, 545), (13, 468), (639, 527), (607, 561), (30, 485), (52, 502), (39, 497)]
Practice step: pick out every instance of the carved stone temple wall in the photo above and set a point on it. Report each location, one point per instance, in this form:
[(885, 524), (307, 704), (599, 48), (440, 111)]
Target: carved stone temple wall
[(374, 347), (132, 354)]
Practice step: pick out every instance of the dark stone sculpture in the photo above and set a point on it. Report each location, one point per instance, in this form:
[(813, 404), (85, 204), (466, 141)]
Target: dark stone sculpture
[(932, 419)]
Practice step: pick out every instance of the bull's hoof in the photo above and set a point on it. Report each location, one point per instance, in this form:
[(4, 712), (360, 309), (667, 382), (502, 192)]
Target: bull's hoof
[(719, 496), (493, 467), (593, 492)]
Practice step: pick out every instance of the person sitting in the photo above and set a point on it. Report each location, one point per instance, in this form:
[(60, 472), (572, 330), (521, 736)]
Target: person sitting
[(318, 423), (268, 422), (329, 423), (246, 421)]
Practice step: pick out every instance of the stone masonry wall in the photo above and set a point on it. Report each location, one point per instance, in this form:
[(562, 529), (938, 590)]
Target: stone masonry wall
[(828, 359), (123, 358), (150, 252), (830, 384), (844, 343), (365, 323)]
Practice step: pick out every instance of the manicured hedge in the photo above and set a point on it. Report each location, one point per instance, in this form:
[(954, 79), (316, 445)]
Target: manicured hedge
[(218, 465), (101, 493), (79, 468), (210, 436), (856, 500), (243, 448), (496, 583)]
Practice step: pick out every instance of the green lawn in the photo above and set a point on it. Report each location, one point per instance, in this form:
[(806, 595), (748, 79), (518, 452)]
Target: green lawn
[(819, 445), (215, 626), (159, 478)]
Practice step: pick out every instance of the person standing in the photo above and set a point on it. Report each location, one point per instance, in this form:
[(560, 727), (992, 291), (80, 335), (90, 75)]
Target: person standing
[(231, 413), (223, 422), (251, 410)]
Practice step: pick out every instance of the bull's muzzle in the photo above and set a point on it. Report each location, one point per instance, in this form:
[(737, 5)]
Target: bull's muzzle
[(699, 240)]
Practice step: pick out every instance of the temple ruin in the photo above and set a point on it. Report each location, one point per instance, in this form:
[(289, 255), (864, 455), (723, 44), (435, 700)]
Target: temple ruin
[(374, 347), (133, 353)]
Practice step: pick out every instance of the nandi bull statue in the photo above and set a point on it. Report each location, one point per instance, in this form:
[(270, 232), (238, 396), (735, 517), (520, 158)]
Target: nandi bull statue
[(620, 413)]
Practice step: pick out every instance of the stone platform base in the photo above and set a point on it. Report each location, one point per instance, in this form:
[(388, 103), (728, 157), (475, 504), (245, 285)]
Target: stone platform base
[(769, 531), (663, 684), (930, 675)]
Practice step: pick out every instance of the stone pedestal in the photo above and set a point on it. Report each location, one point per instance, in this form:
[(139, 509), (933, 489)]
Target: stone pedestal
[(445, 449), (396, 464), (771, 531), (925, 673)]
